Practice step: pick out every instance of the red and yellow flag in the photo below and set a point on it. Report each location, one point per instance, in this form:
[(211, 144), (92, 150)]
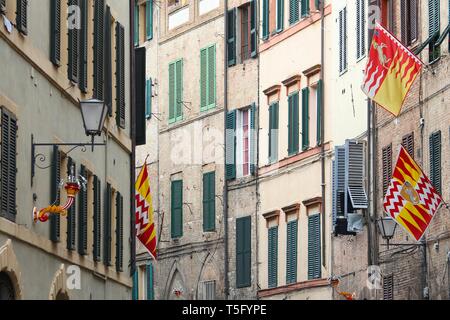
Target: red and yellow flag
[(390, 72), (411, 200), (145, 225)]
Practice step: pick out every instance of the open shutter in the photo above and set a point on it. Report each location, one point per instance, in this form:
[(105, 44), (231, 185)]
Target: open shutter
[(291, 252), (320, 112), (387, 167), (273, 132), (253, 28), (305, 8), (73, 47), (108, 61), (99, 57), (243, 252), (293, 11), (435, 161), (97, 219), (293, 124), (211, 77), (305, 119), (338, 183), (107, 226), (273, 257), (82, 217), (230, 145), (354, 180), (265, 20), (231, 37), (55, 32), (314, 247), (177, 209), (71, 214), (22, 16), (179, 90), (120, 75), (150, 288), (343, 40), (280, 15), (135, 293), (253, 139), (408, 143), (172, 99), (148, 101), (83, 78), (136, 24), (119, 232), (55, 194), (149, 19), (203, 79), (360, 29)]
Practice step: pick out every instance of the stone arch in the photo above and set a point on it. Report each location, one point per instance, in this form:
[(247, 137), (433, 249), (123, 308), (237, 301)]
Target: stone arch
[(58, 288), (10, 265), (209, 271), (175, 281)]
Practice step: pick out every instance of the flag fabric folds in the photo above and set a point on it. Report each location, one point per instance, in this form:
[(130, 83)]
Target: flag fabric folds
[(145, 225), (411, 200), (391, 70)]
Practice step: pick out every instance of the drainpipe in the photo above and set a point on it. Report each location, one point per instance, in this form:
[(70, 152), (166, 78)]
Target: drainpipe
[(225, 181)]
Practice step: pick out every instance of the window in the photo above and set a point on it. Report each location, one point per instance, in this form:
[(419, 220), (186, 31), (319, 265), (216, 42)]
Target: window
[(291, 252), (208, 78), (435, 161), (314, 247), (343, 40), (408, 143), (243, 252), (244, 142), (273, 257), (245, 31), (409, 21), (388, 287), (8, 164), (176, 91), (280, 15), (177, 209), (293, 124), (273, 132), (434, 24), (209, 290), (387, 14), (148, 100), (304, 8), (231, 37), (305, 119), (230, 152), (360, 29), (387, 167), (209, 201), (265, 19)]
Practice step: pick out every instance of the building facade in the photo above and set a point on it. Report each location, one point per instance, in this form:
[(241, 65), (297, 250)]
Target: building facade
[(53, 54)]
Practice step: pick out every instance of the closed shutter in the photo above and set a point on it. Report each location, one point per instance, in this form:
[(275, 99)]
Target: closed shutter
[(97, 219), (387, 167), (273, 257), (243, 252), (120, 75), (177, 209), (107, 215), (55, 194), (71, 214), (388, 287), (8, 165), (119, 232), (150, 288), (136, 24), (343, 40), (82, 217), (293, 11), (99, 57), (108, 61), (305, 119), (435, 161), (253, 29), (149, 19), (354, 175), (176, 91), (280, 15), (253, 139), (231, 37), (408, 143), (320, 112), (403, 21), (209, 201), (73, 46), (135, 292), (273, 132), (314, 248), (139, 92), (293, 124), (22, 16), (433, 28), (338, 183), (414, 20), (305, 8), (360, 29), (265, 19), (148, 99), (172, 99), (291, 252), (204, 79), (55, 32), (83, 78), (230, 165), (208, 78)]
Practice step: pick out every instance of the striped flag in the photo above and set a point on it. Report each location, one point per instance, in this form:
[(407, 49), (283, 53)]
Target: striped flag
[(145, 225), (390, 72), (411, 200)]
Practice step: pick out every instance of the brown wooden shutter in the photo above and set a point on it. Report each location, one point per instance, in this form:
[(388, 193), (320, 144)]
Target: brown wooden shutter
[(408, 143), (387, 167)]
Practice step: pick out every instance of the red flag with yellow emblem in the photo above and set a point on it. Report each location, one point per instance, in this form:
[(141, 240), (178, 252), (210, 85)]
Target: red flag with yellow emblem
[(411, 200), (145, 224), (390, 72)]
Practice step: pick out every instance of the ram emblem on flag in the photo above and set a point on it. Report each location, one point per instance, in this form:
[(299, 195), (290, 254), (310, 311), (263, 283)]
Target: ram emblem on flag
[(411, 200), (145, 225), (390, 72)]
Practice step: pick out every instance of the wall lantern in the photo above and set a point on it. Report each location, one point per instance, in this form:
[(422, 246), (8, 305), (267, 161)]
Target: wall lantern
[(387, 227)]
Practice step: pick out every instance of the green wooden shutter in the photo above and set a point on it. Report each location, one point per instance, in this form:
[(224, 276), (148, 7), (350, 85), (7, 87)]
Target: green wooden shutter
[(231, 37), (305, 8), (55, 32), (22, 16), (71, 214), (305, 119), (230, 166), (149, 19), (280, 15), (83, 77), (209, 201), (253, 29), (273, 257), (177, 209), (434, 28), (253, 141), (119, 232), (293, 123), (211, 76), (73, 49), (273, 132), (172, 100), (136, 24), (148, 102), (55, 194), (108, 61), (208, 78), (97, 219), (99, 57), (120, 75), (320, 112), (203, 79), (265, 20), (107, 226), (293, 11), (82, 217), (150, 287), (243, 252), (314, 247), (435, 161), (179, 90), (135, 292), (291, 252)]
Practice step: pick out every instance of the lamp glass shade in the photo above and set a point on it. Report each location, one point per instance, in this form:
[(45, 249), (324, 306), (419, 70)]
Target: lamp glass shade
[(93, 112), (387, 227)]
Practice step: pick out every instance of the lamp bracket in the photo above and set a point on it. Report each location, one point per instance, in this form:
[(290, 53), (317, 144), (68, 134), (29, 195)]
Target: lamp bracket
[(41, 158)]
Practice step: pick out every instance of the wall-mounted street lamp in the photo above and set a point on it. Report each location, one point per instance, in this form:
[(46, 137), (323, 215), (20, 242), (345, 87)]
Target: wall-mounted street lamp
[(387, 227)]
